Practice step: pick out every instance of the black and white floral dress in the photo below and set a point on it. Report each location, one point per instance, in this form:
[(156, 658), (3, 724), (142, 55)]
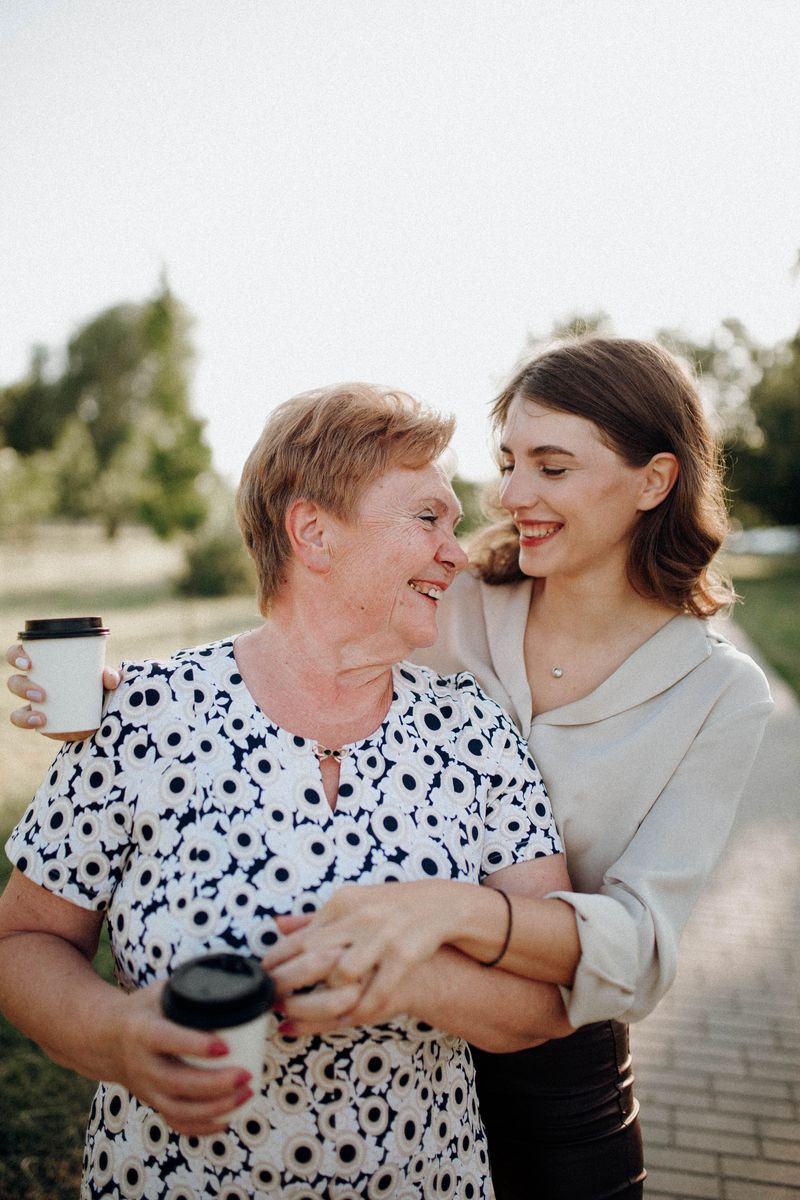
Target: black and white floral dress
[(193, 820)]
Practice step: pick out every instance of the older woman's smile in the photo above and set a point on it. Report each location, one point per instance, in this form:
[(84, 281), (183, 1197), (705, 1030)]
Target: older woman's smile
[(433, 590)]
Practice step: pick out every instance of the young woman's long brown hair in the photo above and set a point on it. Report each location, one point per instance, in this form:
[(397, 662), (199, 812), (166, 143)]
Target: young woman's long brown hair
[(643, 403)]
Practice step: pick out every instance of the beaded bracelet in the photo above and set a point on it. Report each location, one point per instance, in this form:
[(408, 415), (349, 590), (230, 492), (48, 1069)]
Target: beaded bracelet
[(507, 938)]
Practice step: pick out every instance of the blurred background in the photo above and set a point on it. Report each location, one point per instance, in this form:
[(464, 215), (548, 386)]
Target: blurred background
[(207, 208)]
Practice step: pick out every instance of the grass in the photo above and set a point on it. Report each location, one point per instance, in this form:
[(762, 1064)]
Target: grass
[(64, 572)]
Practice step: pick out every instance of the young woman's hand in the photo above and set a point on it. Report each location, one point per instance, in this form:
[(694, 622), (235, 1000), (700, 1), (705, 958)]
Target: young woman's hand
[(366, 939), (193, 1100), (27, 689), (327, 1009)]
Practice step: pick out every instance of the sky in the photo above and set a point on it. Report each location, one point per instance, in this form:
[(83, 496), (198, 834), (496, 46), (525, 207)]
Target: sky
[(398, 192)]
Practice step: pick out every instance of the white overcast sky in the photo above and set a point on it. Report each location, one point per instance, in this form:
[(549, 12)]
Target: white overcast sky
[(395, 191)]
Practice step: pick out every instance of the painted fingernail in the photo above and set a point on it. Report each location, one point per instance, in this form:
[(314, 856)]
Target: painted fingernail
[(242, 1079), (22, 663), (288, 1028), (217, 1049), (34, 694), (243, 1095)]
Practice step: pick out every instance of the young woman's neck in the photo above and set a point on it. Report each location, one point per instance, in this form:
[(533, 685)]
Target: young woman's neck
[(593, 605)]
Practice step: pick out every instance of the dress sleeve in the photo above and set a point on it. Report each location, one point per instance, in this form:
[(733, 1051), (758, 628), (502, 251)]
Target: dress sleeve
[(76, 835), (519, 823), (630, 929)]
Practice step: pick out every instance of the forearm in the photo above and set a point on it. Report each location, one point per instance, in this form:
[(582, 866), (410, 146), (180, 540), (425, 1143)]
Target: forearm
[(49, 990), (495, 1010), (543, 943), (51, 993)]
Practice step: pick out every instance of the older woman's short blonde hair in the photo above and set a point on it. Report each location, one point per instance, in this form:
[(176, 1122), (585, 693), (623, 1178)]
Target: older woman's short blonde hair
[(327, 446)]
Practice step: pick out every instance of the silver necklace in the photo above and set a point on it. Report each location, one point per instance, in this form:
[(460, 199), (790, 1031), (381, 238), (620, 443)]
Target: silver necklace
[(556, 672)]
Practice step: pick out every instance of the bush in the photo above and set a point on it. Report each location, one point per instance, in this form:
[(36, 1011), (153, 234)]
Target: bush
[(217, 564)]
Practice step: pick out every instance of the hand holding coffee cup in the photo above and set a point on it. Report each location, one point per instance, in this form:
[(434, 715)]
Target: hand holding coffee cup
[(65, 656), (231, 995)]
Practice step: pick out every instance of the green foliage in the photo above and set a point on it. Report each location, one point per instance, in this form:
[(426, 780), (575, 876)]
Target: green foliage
[(726, 367), (469, 495), (117, 421), (74, 468), (27, 490), (33, 410), (765, 469), (574, 325), (754, 394), (217, 563)]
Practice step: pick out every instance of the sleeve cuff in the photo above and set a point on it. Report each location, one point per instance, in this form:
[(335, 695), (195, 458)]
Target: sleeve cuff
[(604, 987)]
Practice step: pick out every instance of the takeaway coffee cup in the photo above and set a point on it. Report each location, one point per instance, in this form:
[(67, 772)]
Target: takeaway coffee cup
[(230, 994), (67, 656)]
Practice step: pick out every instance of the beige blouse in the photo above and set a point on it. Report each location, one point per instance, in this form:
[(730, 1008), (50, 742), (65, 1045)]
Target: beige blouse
[(645, 775)]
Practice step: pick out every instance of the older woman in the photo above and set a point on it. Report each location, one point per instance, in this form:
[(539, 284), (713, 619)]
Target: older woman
[(254, 777)]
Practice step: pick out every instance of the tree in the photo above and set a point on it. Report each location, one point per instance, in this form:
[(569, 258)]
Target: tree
[(753, 396), (33, 410), (574, 325), (726, 368), (27, 490), (765, 466), (118, 419)]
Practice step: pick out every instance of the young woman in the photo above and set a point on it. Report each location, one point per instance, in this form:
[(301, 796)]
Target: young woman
[(586, 616)]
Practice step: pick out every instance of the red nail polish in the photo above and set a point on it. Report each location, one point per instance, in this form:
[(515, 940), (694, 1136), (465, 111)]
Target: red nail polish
[(242, 1079), (217, 1049), (243, 1095), (287, 1028)]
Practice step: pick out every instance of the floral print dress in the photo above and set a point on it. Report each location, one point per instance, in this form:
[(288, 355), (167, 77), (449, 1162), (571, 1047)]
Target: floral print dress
[(192, 820)]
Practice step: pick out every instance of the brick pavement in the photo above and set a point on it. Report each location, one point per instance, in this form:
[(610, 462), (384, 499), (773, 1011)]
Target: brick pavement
[(718, 1062)]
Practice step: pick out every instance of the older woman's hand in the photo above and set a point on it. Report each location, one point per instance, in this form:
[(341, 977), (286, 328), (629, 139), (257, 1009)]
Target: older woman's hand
[(366, 939), (193, 1100), (26, 689)]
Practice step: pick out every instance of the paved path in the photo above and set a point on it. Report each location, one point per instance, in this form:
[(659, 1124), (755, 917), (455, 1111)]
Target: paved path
[(718, 1062)]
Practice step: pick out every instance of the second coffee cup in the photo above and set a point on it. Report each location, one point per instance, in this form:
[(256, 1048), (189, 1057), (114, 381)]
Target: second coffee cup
[(231, 995)]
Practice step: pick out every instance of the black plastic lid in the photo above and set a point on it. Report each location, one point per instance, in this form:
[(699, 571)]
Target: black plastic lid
[(63, 627), (216, 991)]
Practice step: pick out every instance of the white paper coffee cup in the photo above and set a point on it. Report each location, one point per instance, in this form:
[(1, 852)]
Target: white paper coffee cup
[(67, 655), (231, 995)]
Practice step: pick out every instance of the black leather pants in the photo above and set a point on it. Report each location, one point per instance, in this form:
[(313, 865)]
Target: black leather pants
[(561, 1119)]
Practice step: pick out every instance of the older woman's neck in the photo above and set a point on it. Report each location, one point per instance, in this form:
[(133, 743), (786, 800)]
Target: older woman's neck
[(332, 692)]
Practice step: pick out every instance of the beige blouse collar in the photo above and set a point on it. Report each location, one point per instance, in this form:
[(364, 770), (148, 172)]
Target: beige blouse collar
[(670, 654)]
